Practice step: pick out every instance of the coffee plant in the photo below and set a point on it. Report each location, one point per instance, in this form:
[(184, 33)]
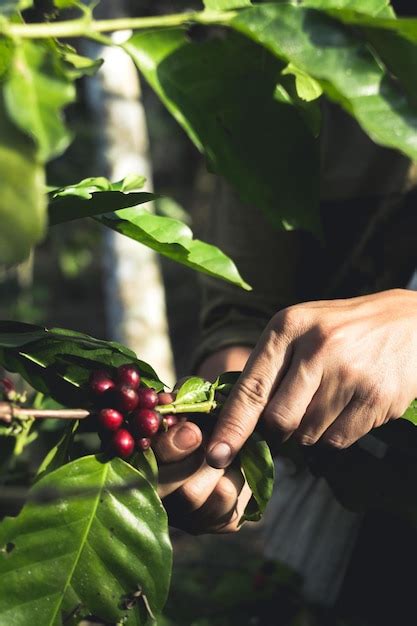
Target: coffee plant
[(245, 80)]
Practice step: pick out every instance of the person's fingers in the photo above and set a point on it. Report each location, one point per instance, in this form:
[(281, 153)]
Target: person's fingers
[(249, 397), (232, 524), (220, 506), (172, 475), (288, 405), (325, 407), (177, 443), (355, 421), (191, 494)]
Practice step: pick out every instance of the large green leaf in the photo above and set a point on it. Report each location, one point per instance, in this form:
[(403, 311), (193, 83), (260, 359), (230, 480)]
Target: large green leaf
[(22, 198), (223, 92), (93, 196), (86, 554), (58, 362), (36, 90), (174, 240), (258, 468), (344, 65), (394, 40)]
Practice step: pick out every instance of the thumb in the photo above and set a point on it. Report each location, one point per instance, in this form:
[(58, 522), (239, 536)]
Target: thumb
[(177, 443)]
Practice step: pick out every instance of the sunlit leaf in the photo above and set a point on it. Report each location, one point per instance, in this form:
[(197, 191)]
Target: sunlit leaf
[(222, 92), (343, 64), (58, 362), (174, 240), (80, 555), (258, 468), (35, 93), (193, 389), (93, 196), (22, 198)]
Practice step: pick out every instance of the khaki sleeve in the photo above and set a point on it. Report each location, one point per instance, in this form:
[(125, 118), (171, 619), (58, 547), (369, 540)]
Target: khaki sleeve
[(267, 258)]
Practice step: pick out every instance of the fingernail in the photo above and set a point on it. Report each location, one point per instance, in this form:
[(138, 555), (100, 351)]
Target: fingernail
[(185, 438), (219, 456)]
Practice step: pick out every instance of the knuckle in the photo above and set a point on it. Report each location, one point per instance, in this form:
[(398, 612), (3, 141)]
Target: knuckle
[(189, 495), (306, 439), (336, 441), (234, 429), (255, 389), (225, 492), (287, 320), (281, 417)]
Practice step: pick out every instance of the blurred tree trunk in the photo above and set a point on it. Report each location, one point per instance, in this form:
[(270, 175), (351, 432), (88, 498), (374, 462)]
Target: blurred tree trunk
[(135, 297)]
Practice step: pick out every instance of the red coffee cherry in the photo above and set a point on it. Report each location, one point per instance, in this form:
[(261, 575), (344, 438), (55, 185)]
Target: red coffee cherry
[(148, 398), (169, 420), (165, 398), (125, 398), (123, 443), (7, 384), (100, 382), (146, 422), (110, 419), (144, 443), (128, 375)]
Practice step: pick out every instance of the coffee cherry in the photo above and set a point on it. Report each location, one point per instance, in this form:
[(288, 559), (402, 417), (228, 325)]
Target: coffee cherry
[(146, 422), (144, 443), (148, 398), (165, 398), (123, 443), (110, 419), (128, 375), (168, 421), (125, 398), (7, 384), (100, 382)]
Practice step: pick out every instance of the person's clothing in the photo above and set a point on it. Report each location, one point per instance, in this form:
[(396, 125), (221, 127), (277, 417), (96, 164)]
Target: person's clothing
[(369, 216)]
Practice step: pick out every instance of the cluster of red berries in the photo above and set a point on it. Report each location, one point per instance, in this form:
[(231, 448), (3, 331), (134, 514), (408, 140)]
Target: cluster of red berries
[(126, 412)]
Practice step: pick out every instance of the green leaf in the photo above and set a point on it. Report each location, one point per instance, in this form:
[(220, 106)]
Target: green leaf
[(368, 7), (6, 55), (79, 65), (22, 198), (194, 389), (224, 383), (146, 463), (258, 468), (58, 362), (59, 454), (94, 196), (36, 90), (9, 7), (394, 40), (222, 92), (174, 240), (411, 413), (308, 89), (85, 555), (223, 5), (342, 63)]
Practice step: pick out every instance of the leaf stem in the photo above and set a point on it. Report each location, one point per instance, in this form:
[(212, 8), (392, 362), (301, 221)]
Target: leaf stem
[(197, 407), (87, 28)]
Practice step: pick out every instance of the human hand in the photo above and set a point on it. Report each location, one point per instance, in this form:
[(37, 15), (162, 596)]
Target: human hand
[(197, 497), (326, 370)]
